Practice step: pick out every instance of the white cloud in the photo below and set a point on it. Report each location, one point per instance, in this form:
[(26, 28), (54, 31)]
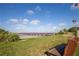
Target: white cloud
[(30, 12), (21, 28), (25, 21), (77, 23), (75, 6), (18, 21), (38, 8), (46, 28), (14, 21), (54, 27), (49, 24), (19, 25), (35, 22), (62, 24)]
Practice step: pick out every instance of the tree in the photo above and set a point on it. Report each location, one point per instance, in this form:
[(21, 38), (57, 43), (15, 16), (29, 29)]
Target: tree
[(65, 30), (61, 32), (72, 29)]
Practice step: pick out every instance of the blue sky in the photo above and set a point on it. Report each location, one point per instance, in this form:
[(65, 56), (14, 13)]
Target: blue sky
[(36, 17)]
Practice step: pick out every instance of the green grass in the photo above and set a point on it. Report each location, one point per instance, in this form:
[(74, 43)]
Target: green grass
[(33, 46)]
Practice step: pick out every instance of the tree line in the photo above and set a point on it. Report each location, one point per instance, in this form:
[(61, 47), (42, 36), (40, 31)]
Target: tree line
[(72, 30)]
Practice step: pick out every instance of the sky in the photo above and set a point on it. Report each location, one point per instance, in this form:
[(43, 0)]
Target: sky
[(37, 17)]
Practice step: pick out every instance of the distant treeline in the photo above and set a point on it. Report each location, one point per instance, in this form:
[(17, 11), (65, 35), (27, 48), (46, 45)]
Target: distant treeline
[(72, 29)]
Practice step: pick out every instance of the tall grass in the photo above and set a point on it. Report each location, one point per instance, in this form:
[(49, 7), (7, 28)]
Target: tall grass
[(6, 49), (33, 46)]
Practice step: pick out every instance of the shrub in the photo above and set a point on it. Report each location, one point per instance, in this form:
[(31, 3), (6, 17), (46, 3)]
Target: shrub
[(13, 37), (61, 32), (7, 36)]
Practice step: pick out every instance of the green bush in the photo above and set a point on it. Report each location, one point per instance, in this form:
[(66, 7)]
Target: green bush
[(61, 32), (13, 37), (7, 36)]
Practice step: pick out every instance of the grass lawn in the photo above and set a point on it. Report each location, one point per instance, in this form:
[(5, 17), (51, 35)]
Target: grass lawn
[(33, 46)]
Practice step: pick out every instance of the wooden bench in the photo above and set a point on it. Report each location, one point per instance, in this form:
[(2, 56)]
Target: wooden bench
[(64, 49)]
